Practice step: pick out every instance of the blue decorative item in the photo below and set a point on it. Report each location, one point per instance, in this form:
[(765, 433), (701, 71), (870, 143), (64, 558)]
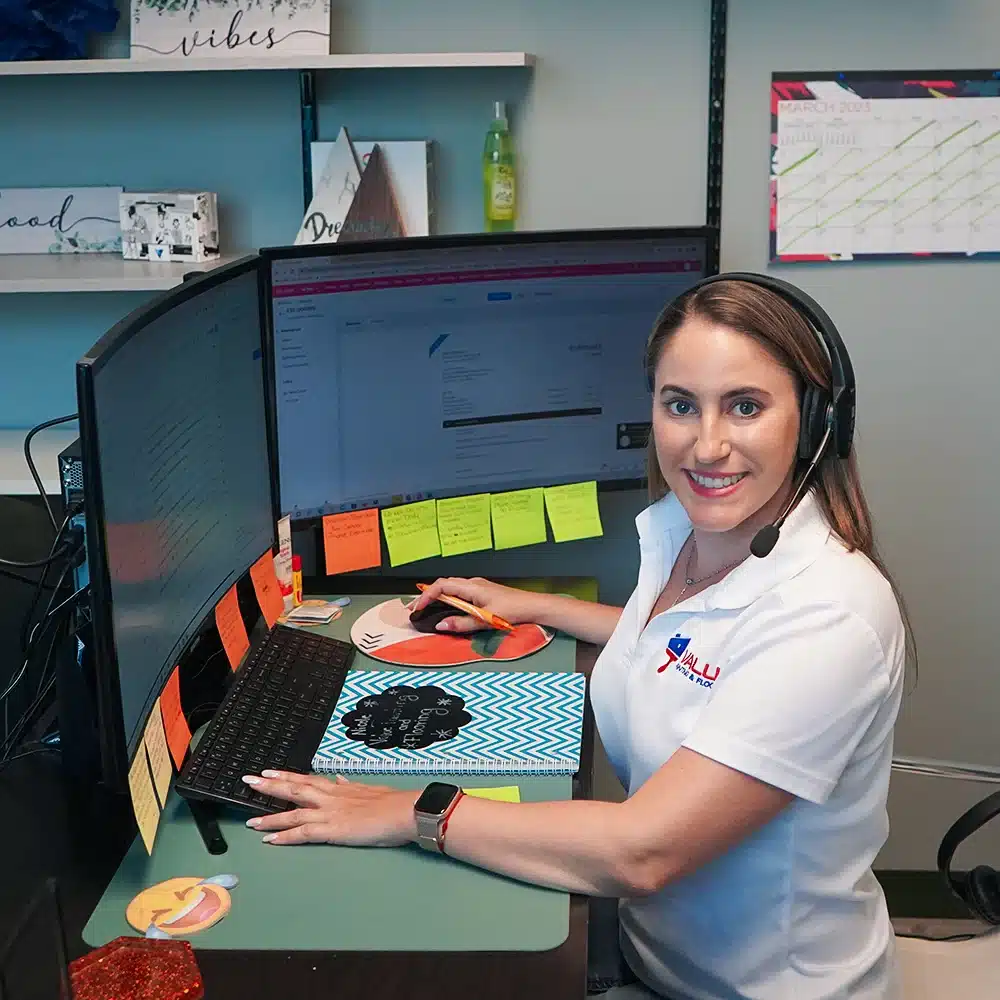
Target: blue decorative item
[(52, 29)]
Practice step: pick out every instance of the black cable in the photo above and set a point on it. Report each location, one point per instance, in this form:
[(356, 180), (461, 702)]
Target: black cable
[(51, 614), (74, 509), (22, 724), (48, 748), (31, 464), (6, 693), (35, 564), (9, 575)]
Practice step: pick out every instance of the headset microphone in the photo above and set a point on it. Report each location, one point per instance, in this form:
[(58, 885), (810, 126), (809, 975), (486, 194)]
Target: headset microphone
[(767, 537)]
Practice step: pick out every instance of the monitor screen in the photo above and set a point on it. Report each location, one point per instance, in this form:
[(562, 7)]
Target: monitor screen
[(177, 484), (454, 365)]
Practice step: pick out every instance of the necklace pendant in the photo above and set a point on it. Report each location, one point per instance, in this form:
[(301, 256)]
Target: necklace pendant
[(688, 581)]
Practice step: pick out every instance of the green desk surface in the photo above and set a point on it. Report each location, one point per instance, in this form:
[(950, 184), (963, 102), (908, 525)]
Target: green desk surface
[(325, 898)]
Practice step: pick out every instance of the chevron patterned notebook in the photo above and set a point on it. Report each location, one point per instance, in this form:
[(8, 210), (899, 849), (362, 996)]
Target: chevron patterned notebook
[(452, 721)]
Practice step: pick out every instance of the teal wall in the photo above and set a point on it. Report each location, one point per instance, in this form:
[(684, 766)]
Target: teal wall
[(610, 124)]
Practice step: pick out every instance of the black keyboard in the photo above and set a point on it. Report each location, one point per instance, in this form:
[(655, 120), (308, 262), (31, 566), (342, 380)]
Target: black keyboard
[(273, 715)]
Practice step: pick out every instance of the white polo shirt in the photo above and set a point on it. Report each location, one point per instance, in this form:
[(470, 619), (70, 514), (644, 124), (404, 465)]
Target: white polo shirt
[(790, 670)]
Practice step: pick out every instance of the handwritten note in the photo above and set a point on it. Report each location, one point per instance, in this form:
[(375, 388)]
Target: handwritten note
[(518, 518), (464, 524), (573, 511), (174, 724), (505, 793), (144, 804), (351, 541), (155, 741), (265, 585), (411, 532), (232, 631)]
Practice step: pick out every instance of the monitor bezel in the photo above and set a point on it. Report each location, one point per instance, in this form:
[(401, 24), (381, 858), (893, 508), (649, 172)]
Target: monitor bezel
[(114, 756), (452, 242)]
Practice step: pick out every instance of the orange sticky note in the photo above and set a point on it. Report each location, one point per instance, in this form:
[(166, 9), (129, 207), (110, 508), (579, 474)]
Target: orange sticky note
[(265, 585), (351, 541), (174, 723), (232, 631)]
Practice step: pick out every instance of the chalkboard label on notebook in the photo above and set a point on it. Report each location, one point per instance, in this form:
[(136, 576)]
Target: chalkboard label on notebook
[(407, 718)]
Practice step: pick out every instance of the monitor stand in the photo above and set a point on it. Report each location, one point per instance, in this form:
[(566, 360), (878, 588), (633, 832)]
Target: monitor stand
[(76, 716), (206, 819)]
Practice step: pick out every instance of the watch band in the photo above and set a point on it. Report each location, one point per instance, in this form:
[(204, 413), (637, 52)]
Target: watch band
[(431, 830)]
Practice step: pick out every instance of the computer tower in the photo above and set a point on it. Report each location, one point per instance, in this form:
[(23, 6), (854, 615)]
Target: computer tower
[(76, 706), (71, 487)]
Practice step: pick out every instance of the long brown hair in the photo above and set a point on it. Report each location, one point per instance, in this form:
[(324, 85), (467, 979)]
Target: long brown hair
[(786, 335)]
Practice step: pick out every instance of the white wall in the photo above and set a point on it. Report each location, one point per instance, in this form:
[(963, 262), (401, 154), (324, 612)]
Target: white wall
[(923, 339)]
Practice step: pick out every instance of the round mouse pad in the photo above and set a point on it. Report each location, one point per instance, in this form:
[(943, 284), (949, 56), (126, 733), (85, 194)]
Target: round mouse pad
[(385, 633), (179, 906)]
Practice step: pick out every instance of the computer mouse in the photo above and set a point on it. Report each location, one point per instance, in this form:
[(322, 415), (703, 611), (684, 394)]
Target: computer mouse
[(427, 618)]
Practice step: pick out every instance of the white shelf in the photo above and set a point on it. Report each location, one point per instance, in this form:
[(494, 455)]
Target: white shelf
[(94, 272), (170, 64), (15, 479)]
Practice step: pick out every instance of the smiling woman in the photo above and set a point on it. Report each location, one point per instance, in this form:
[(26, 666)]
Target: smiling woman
[(746, 694)]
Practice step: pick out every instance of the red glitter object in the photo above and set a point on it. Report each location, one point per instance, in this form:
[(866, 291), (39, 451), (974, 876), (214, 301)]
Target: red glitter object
[(135, 968)]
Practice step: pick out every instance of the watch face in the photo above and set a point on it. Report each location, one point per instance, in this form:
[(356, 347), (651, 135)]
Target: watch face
[(436, 798)]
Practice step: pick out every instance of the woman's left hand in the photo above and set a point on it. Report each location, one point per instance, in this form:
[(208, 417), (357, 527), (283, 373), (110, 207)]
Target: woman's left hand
[(334, 812)]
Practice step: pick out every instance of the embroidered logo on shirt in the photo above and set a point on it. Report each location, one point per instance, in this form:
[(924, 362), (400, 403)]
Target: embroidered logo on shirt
[(687, 664)]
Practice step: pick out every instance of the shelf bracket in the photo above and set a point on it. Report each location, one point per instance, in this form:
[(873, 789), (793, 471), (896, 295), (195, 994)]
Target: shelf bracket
[(308, 117), (716, 116)]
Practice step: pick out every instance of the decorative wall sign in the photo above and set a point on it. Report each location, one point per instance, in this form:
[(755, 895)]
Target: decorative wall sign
[(60, 220), (333, 194), (205, 28)]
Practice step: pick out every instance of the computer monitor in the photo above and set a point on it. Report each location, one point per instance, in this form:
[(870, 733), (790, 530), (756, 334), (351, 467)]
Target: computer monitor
[(442, 366), (178, 490)]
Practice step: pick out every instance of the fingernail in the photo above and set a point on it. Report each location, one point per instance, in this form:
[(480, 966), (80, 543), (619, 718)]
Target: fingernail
[(271, 774), (253, 823), (268, 838), (444, 626), (251, 779)]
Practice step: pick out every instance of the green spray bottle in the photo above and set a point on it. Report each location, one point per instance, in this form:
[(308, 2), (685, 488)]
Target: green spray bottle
[(499, 180)]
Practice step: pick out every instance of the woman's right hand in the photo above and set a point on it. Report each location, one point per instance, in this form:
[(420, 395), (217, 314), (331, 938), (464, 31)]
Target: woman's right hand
[(516, 606)]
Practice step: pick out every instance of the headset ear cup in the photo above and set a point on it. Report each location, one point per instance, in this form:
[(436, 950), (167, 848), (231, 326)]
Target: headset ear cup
[(983, 893), (812, 422)]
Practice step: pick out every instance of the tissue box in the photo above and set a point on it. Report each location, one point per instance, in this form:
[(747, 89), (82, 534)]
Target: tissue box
[(169, 225)]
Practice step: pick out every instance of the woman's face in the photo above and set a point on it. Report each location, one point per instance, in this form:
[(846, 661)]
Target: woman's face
[(725, 424)]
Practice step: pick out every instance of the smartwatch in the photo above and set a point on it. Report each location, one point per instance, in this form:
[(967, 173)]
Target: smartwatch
[(431, 811)]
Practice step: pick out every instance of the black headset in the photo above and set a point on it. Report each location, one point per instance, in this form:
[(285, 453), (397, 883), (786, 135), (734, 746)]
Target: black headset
[(827, 417), (979, 889)]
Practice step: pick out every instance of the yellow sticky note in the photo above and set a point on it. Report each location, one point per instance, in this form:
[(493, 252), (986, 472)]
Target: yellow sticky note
[(411, 532), (573, 511), (464, 524), (144, 804), (518, 518), (155, 739), (508, 793)]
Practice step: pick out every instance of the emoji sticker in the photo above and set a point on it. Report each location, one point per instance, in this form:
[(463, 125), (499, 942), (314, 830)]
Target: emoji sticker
[(181, 906)]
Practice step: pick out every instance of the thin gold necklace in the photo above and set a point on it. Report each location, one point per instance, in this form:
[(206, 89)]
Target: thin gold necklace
[(690, 581)]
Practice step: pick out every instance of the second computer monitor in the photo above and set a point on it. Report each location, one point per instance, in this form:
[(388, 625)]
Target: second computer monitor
[(447, 366)]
